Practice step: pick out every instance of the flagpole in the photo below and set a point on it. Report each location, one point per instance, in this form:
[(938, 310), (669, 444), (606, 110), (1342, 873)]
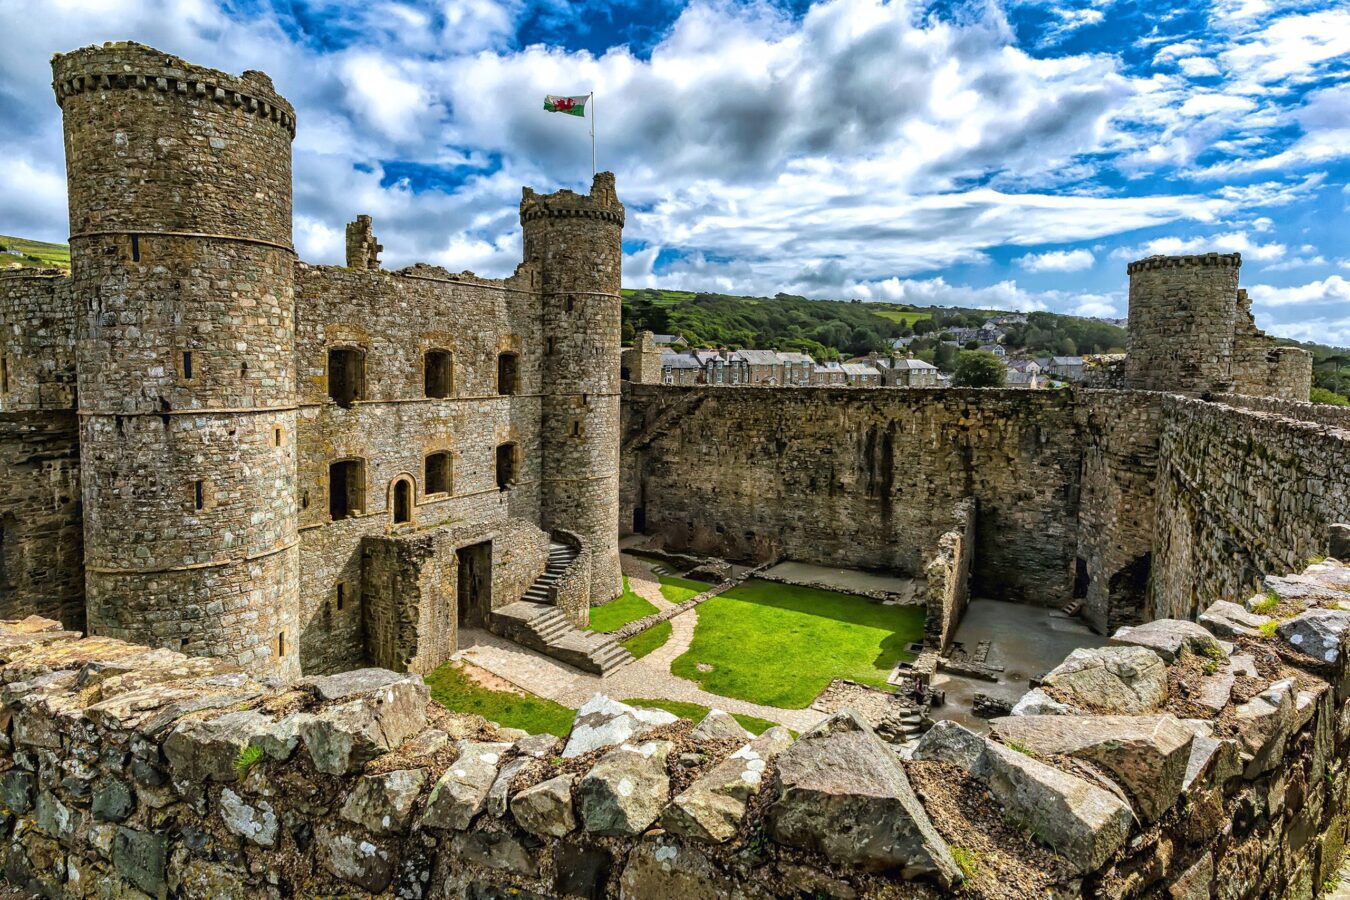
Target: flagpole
[(592, 134)]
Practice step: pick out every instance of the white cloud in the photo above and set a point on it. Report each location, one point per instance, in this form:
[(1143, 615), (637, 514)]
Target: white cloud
[(1333, 290), (1057, 261), (1209, 104), (1198, 66), (1228, 242)]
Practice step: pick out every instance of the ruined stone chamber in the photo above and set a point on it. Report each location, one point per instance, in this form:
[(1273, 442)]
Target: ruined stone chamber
[(182, 276)]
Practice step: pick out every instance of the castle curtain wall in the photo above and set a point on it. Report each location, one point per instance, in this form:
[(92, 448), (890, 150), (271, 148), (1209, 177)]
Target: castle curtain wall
[(862, 479), (1241, 494)]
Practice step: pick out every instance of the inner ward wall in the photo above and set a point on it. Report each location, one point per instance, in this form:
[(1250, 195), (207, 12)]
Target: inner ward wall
[(1241, 494), (860, 479)]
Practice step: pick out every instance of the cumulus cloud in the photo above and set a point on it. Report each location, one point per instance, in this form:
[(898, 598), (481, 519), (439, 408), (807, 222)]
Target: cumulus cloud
[(1331, 290), (859, 147), (1228, 242), (1057, 261)]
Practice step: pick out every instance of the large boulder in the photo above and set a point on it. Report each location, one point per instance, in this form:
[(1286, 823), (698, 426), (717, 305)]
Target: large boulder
[(1212, 761), (719, 726), (625, 791), (1169, 638), (1147, 753), (1318, 633), (546, 808), (713, 807), (460, 793), (602, 722), (383, 804), (1263, 724), (1230, 620), (1112, 679), (841, 791), (1083, 823), (385, 709)]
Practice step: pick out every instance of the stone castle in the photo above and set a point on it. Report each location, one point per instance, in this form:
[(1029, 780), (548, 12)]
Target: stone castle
[(216, 448), (232, 469)]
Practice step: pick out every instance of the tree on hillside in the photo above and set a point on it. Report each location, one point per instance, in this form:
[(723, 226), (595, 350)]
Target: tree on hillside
[(944, 357), (979, 368)]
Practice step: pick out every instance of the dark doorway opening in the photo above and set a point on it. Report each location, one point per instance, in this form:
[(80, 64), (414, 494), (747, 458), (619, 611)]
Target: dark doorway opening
[(506, 466), (475, 584), (346, 375), (402, 501), (639, 520), (1129, 593), (1081, 579), (508, 373), (346, 488)]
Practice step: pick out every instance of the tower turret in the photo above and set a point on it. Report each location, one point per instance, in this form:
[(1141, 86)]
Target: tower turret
[(576, 240), (182, 265), (1183, 312)]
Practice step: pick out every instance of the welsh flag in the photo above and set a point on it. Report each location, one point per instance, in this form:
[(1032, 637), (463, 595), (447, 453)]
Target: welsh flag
[(574, 106)]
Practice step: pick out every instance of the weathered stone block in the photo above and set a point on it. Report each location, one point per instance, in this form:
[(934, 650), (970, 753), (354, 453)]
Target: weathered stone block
[(840, 790), (625, 790)]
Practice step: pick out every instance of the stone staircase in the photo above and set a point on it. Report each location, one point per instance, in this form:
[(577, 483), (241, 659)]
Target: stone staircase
[(665, 420), (534, 622)]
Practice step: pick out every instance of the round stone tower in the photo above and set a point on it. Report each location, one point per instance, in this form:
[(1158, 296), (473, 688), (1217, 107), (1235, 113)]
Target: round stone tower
[(1183, 314), (183, 273), (576, 241)]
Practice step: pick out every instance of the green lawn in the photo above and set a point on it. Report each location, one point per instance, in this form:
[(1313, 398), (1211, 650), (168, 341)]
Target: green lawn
[(451, 689), (780, 644), (641, 644), (617, 613), (695, 712)]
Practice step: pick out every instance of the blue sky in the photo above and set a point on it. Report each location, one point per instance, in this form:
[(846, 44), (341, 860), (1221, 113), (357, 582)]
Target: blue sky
[(1000, 153)]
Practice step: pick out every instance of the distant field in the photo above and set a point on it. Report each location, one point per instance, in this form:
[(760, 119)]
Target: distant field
[(898, 315), (33, 254)]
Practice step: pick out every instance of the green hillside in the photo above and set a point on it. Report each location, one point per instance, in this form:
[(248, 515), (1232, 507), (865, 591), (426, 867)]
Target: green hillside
[(830, 329), (32, 254)]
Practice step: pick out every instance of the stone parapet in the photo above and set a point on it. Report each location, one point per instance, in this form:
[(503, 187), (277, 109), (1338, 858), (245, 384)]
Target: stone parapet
[(127, 65), (1174, 765)]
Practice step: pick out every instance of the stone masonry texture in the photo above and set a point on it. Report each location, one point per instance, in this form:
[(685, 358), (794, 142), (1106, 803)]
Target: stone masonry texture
[(167, 409)]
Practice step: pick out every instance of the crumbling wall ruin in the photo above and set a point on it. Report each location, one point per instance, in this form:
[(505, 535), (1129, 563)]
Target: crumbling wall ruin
[(947, 579), (1181, 761), (1241, 494)]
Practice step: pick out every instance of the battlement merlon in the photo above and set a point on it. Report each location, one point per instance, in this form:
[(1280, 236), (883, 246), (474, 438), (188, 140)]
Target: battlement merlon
[(1233, 260), (601, 203), (133, 66)]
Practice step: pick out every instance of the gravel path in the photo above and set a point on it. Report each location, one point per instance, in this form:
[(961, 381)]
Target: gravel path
[(643, 582)]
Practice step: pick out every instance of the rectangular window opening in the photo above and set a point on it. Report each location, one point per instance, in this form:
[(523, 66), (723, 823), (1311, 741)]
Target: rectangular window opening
[(187, 365), (281, 644), (135, 248), (341, 596), (199, 494), (4, 374), (276, 436), (436, 478)]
